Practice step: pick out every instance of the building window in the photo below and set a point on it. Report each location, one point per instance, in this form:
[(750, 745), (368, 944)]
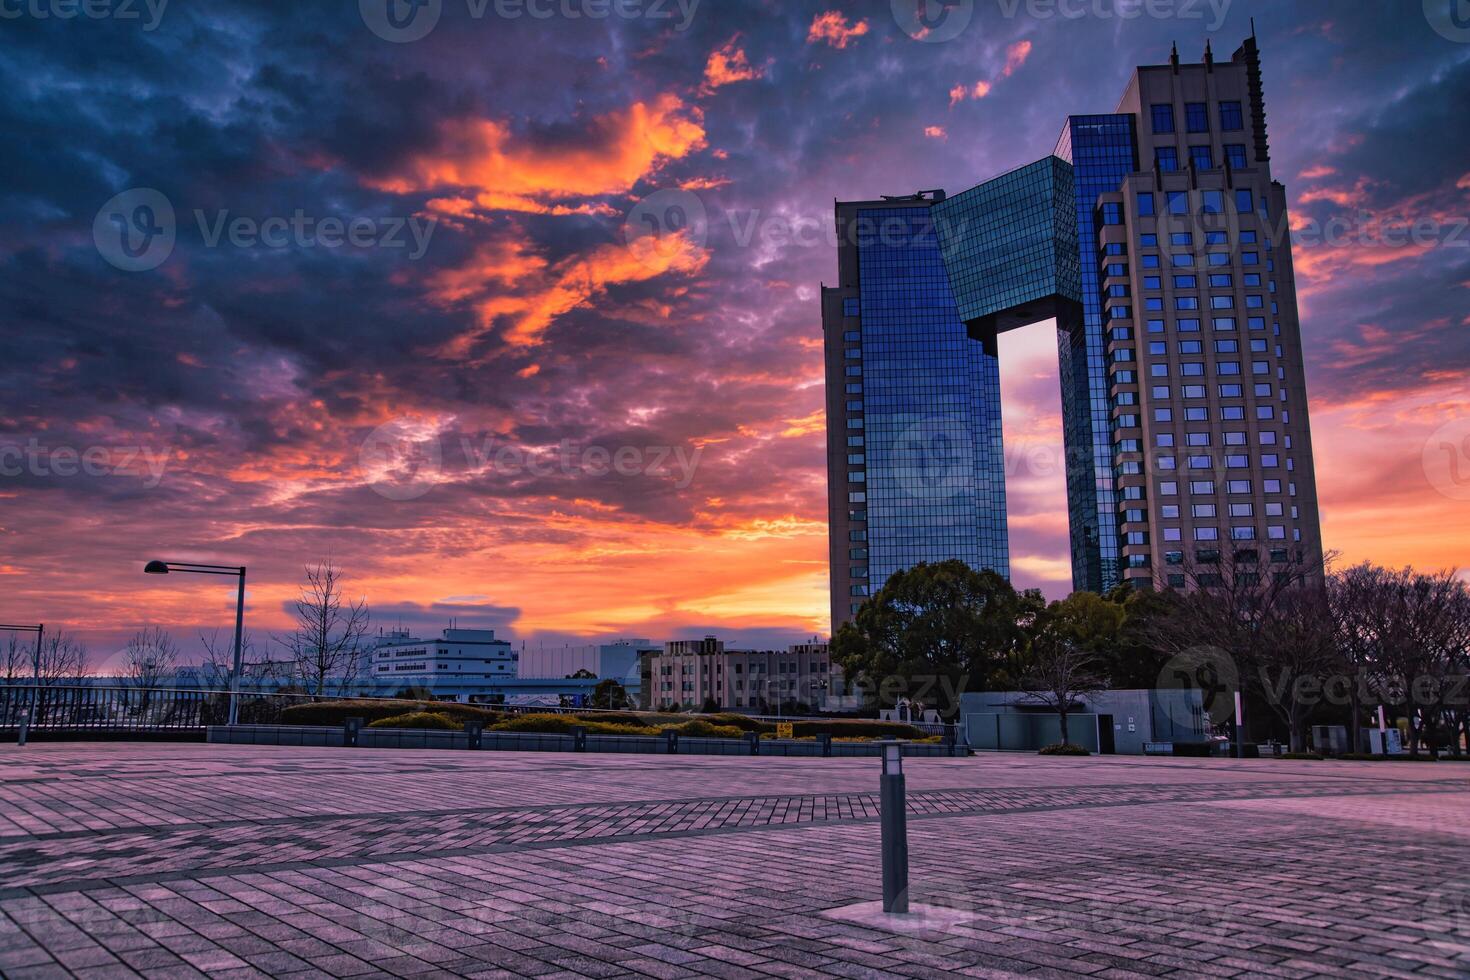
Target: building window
[(850, 306), (1235, 155), (1212, 202), (1201, 157), (1112, 213), (1242, 201), (1197, 117), (1166, 158), (1231, 117), (1145, 204), (1163, 117), (1178, 202)]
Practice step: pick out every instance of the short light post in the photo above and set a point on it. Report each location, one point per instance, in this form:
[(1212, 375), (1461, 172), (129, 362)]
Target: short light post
[(1239, 727), (164, 567), (40, 630), (1382, 732), (895, 830)]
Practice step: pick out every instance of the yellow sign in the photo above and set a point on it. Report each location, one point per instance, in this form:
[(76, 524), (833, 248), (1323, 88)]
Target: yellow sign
[(783, 729)]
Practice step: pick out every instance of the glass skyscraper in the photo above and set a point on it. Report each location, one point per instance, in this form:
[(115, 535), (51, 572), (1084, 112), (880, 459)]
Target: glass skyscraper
[(1141, 226)]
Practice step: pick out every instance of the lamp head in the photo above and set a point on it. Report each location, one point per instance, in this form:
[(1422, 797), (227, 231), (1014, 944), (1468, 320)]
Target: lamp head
[(156, 568)]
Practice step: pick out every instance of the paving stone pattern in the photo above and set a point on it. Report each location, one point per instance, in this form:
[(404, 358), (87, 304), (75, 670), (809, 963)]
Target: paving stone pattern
[(121, 859)]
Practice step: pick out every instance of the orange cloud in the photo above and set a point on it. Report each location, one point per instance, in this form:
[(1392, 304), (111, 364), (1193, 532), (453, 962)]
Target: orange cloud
[(960, 92), (727, 65), (544, 294), (935, 132), (499, 172), (833, 28), (1016, 56)]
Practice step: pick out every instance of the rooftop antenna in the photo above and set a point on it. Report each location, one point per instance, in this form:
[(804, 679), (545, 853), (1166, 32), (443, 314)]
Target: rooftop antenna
[(1209, 56), (1174, 56)]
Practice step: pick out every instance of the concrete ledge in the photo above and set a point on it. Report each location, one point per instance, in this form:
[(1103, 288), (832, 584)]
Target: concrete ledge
[(427, 738)]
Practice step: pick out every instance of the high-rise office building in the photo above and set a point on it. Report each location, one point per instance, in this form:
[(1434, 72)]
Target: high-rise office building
[(1155, 237)]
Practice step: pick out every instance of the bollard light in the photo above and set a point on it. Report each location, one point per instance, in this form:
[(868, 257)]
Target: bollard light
[(893, 759), (895, 833)]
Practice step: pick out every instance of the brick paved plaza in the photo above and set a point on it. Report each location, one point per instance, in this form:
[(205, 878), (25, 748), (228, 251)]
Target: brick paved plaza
[(234, 861)]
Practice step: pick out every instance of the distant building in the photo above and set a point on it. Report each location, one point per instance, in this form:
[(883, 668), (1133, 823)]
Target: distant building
[(458, 657), (691, 673), (618, 661)]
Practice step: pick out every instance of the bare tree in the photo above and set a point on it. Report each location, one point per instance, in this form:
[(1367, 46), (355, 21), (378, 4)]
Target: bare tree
[(150, 656), (1060, 674), (18, 657), (219, 660), (1271, 617), (63, 660), (330, 630)]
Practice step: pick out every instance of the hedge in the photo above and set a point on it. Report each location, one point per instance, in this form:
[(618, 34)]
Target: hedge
[(419, 719), (335, 713), (1062, 748)]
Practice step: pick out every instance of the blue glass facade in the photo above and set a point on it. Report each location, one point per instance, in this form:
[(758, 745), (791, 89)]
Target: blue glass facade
[(933, 455), (1102, 149), (1011, 241)]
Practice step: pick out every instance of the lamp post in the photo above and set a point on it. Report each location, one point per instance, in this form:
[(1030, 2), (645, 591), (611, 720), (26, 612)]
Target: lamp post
[(40, 630), (895, 835), (156, 567)]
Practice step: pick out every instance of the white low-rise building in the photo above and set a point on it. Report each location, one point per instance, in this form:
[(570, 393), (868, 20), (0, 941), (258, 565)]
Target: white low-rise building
[(458, 656)]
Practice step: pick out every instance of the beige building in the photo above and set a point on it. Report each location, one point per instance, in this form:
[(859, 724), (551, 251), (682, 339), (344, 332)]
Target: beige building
[(690, 673)]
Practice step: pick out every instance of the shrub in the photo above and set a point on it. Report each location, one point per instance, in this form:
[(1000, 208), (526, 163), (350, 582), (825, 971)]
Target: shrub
[(614, 718), (335, 713), (699, 728), (419, 719), (743, 722), (1062, 748), (550, 724)]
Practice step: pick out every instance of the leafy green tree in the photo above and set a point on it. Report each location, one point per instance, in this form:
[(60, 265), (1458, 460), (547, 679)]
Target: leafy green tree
[(934, 631), (610, 694)]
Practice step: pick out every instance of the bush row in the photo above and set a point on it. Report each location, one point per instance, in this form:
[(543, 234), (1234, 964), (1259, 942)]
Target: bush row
[(722, 725)]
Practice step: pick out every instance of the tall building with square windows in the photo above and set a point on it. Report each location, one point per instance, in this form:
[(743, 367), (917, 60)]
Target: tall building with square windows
[(1155, 237)]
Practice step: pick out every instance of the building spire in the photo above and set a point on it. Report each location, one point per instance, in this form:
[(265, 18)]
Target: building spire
[(1174, 56), (1209, 56)]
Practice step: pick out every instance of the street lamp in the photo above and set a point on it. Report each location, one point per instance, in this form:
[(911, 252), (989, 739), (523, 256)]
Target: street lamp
[(156, 567), (40, 630)]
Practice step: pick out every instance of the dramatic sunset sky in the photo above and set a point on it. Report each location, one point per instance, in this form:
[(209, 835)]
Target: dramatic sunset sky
[(278, 386)]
